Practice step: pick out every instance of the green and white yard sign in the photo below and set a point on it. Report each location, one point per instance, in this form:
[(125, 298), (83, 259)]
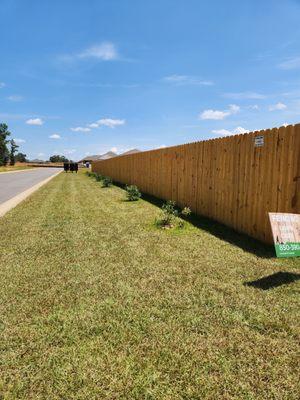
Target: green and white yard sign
[(286, 234)]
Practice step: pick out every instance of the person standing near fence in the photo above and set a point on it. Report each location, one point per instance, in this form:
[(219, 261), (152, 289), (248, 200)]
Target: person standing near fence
[(72, 167)]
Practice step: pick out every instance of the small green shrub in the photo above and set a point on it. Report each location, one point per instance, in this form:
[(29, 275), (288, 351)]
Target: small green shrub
[(170, 216), (132, 193), (98, 177), (106, 181), (90, 174), (186, 211)]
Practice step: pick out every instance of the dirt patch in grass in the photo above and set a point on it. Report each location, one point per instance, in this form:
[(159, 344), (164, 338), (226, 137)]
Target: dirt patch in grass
[(97, 303)]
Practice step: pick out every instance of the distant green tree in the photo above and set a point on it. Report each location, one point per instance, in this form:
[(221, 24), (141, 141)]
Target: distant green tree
[(13, 149), (21, 157), (4, 153), (58, 158)]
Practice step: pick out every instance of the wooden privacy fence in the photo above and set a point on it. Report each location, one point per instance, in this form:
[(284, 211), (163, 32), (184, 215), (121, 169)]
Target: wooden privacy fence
[(235, 180)]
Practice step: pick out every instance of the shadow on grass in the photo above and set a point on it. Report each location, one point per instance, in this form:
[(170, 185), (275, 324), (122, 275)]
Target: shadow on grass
[(219, 230), (223, 232), (274, 280)]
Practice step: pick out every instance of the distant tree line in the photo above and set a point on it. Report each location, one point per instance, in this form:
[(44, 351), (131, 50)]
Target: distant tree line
[(58, 159), (9, 148)]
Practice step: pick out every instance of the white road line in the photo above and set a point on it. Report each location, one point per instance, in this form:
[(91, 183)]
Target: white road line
[(11, 203)]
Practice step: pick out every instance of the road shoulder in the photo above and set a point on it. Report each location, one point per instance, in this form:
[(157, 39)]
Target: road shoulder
[(13, 202)]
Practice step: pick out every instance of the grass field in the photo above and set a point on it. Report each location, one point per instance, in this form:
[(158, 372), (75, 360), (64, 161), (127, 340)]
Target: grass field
[(14, 168), (97, 303)]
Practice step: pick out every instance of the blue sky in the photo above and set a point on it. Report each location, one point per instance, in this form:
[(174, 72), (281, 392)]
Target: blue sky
[(86, 76)]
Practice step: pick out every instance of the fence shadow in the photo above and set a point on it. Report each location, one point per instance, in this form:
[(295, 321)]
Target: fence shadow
[(223, 232), (219, 230), (274, 280)]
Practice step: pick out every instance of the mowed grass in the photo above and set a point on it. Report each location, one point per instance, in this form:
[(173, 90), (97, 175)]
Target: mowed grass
[(97, 303)]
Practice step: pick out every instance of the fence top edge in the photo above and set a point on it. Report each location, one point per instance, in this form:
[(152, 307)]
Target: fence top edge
[(223, 139)]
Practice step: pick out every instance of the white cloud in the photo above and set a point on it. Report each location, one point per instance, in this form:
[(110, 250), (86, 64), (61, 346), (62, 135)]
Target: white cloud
[(34, 121), (15, 97), (213, 114), (186, 80), (80, 129), (224, 132), (2, 84), (254, 107), (114, 149), (291, 63), (233, 109), (19, 141), (218, 115), (240, 130), (279, 106), (55, 136), (111, 123), (41, 154), (244, 95), (105, 51), (93, 125), (69, 151)]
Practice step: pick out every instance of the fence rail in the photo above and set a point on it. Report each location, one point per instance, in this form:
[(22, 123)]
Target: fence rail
[(234, 180)]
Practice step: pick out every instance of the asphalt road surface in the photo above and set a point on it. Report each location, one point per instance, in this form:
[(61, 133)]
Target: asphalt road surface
[(14, 183)]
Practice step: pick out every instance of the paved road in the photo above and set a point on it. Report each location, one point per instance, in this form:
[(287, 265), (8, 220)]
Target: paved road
[(11, 184)]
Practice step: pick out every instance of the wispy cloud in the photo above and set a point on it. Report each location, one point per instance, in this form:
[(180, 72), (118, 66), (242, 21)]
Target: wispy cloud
[(224, 132), (217, 114), (244, 95), (104, 51), (181, 80), (109, 122), (291, 63), (15, 97), (55, 136), (69, 151), (80, 129), (278, 107), (2, 84), (34, 121), (19, 141)]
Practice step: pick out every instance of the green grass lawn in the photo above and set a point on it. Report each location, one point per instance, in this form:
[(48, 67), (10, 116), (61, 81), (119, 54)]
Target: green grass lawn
[(14, 168), (97, 303)]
